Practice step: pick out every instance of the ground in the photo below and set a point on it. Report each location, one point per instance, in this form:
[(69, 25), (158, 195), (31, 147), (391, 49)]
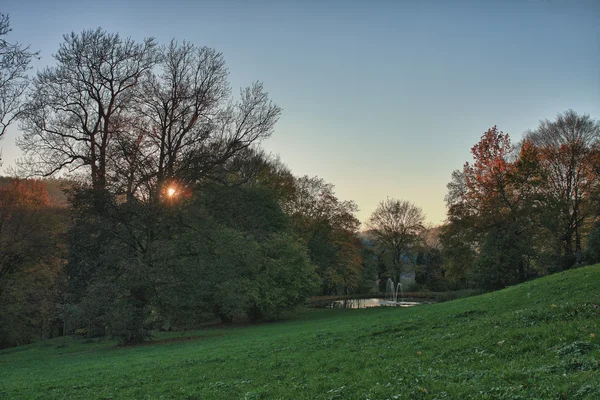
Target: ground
[(539, 340)]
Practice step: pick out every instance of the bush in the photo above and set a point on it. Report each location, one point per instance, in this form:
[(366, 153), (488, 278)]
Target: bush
[(126, 323), (591, 254), (284, 279)]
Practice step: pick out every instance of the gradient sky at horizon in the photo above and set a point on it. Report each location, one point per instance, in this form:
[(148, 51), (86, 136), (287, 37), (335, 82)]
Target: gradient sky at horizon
[(380, 98)]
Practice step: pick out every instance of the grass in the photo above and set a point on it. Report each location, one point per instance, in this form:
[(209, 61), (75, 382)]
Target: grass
[(538, 340)]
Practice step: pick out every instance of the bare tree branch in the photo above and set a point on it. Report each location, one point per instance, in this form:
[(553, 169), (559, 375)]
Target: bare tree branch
[(15, 60)]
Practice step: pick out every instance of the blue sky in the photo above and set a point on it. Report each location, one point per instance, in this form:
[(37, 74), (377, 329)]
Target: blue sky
[(381, 98)]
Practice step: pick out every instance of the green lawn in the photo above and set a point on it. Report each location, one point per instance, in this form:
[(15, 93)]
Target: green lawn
[(539, 340)]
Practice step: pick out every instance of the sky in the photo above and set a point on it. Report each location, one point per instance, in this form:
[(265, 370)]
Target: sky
[(381, 98)]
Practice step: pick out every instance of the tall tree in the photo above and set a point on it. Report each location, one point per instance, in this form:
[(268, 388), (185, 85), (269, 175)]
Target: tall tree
[(141, 117), (195, 129), (15, 59), (396, 226), (31, 259), (179, 105), (328, 226), (493, 205), (79, 106), (568, 149)]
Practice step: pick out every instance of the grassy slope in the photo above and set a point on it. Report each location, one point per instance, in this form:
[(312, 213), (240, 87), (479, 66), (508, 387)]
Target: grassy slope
[(536, 340)]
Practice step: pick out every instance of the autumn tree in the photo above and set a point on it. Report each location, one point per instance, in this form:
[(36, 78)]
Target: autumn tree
[(15, 59), (568, 153), (493, 204), (396, 226), (487, 178)]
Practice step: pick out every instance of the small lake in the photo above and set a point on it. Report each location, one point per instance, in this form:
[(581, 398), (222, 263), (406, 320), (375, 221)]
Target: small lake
[(367, 303)]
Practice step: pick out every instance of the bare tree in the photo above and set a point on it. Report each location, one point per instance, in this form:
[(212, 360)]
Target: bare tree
[(138, 117), (178, 106), (15, 59), (396, 226), (78, 107), (187, 129), (568, 148), (236, 129)]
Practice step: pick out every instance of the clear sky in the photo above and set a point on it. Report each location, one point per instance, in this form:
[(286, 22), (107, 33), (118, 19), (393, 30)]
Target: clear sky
[(380, 98)]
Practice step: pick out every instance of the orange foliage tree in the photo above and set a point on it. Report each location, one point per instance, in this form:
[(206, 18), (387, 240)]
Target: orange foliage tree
[(568, 149), (492, 206)]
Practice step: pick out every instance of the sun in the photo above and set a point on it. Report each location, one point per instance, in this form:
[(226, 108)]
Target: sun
[(171, 192)]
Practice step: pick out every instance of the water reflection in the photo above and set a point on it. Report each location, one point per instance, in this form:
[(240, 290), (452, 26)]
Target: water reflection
[(366, 303)]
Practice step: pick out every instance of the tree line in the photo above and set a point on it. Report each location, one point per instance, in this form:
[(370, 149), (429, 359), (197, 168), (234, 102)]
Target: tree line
[(175, 215), (522, 210)]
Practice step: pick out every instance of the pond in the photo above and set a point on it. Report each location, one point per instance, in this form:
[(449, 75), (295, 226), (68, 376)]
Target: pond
[(366, 303)]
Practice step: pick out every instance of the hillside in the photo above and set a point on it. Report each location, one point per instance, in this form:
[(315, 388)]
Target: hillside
[(538, 340)]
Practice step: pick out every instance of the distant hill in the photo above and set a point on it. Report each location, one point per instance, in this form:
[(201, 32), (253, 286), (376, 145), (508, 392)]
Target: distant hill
[(55, 188)]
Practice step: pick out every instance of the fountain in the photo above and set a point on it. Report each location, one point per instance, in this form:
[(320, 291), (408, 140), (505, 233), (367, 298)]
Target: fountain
[(393, 289)]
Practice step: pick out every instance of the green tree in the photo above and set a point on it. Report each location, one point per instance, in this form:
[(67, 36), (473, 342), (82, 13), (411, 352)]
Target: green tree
[(31, 260), (238, 255), (430, 270), (369, 274), (113, 264), (329, 228), (592, 249), (459, 250)]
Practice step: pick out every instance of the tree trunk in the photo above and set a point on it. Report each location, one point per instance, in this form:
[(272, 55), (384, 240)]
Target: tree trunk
[(569, 258), (521, 267)]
